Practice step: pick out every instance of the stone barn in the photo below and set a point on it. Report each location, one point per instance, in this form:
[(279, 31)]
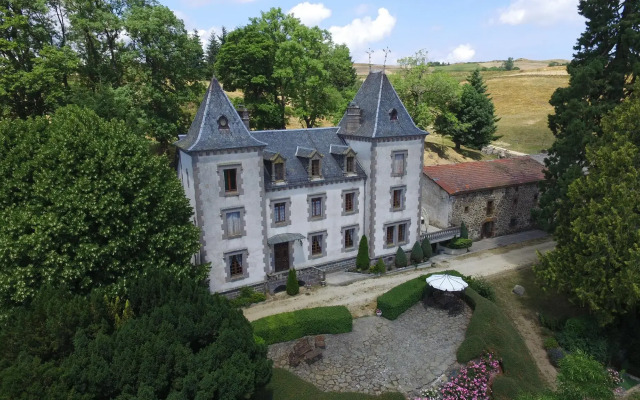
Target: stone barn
[(492, 198)]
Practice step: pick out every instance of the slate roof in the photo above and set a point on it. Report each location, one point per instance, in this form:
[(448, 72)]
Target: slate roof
[(482, 175), (289, 142), (376, 98), (204, 133)]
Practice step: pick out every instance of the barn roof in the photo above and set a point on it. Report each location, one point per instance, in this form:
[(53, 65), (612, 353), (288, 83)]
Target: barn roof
[(482, 175)]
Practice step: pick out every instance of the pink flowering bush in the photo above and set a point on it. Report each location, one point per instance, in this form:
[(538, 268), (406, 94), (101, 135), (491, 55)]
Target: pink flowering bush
[(471, 383)]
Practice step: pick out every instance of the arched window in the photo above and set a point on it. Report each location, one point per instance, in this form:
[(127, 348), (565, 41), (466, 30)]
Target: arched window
[(393, 114)]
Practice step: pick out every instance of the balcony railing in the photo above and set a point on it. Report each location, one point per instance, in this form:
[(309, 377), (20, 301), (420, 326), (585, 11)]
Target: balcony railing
[(441, 236)]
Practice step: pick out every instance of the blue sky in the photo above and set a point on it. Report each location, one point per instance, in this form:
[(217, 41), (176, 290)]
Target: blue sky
[(450, 30)]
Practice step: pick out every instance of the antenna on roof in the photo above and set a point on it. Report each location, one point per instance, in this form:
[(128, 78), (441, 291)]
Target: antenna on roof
[(386, 53), (369, 52)]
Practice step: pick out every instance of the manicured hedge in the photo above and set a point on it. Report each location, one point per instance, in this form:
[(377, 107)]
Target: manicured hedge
[(399, 299), (296, 324), (489, 326), (460, 243)]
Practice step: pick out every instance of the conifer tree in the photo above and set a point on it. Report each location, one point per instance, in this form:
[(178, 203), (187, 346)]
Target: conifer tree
[(426, 249), (401, 258), (464, 232), (293, 287), (362, 259), (416, 253), (602, 74)]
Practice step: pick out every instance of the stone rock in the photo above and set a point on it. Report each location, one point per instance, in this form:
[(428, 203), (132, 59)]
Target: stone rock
[(518, 290), (320, 342), (313, 356)]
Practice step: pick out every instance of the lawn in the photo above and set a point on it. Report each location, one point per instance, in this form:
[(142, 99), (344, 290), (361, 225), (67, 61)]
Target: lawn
[(285, 385)]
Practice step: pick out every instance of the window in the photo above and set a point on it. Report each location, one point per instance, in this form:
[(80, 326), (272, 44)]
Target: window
[(489, 207), (233, 223), (466, 209), (317, 204), (348, 202), (279, 214), (315, 168), (278, 171), (391, 235), (348, 238), (317, 244), (230, 182), (397, 198), (236, 265), (535, 197), (230, 179), (402, 233), (513, 222), (396, 234), (223, 123), (316, 207), (398, 159), (515, 201), (350, 166), (393, 114)]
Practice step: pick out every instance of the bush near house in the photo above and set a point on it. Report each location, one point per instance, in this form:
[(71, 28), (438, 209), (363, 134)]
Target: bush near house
[(401, 258), (398, 300), (296, 324), (293, 287), (460, 243), (362, 259), (379, 267), (416, 253), (247, 296), (427, 252), (464, 232)]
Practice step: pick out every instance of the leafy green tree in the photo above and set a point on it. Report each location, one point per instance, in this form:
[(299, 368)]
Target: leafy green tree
[(416, 253), (83, 204), (581, 377), (277, 61), (34, 62), (597, 254), (401, 258), (165, 65), (426, 95), (362, 259), (475, 122), (508, 64), (602, 74), (426, 248), (293, 287)]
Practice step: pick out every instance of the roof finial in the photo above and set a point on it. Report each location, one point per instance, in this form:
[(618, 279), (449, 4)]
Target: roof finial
[(369, 52), (386, 53)]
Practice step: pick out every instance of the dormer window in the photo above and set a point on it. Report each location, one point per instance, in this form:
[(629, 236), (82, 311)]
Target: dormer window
[(278, 171), (350, 165), (393, 114), (315, 168), (223, 122)]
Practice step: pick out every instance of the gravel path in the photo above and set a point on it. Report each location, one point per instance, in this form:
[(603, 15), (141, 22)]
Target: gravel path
[(379, 355)]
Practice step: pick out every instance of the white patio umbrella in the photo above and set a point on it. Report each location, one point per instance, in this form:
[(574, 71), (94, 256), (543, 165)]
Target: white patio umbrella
[(447, 283)]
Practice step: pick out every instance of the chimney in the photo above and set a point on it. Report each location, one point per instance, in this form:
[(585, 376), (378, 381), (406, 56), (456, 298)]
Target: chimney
[(354, 114), (244, 115)]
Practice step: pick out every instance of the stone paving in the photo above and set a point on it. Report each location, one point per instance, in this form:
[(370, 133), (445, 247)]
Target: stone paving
[(405, 355)]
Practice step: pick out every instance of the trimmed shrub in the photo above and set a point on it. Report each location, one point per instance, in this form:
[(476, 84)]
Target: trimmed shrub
[(426, 249), (400, 298), (379, 267), (362, 259), (482, 286), (401, 258), (247, 296), (293, 287), (470, 348), (490, 324), (464, 232), (460, 243), (550, 343), (296, 324), (416, 253)]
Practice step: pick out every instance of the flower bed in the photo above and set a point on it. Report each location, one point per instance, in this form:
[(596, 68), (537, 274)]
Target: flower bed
[(471, 382)]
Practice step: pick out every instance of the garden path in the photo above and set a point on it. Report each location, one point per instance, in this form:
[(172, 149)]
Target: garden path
[(405, 355)]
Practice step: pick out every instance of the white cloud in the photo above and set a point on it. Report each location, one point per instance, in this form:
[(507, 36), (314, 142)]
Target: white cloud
[(310, 14), (362, 31), (205, 33), (462, 53), (543, 12)]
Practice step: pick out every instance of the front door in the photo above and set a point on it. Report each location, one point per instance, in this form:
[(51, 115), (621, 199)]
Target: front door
[(487, 229), (281, 256)]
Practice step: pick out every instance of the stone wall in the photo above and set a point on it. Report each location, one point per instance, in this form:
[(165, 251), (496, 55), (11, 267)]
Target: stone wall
[(511, 209)]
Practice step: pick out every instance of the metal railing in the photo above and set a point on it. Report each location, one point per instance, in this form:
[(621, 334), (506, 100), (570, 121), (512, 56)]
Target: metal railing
[(441, 236)]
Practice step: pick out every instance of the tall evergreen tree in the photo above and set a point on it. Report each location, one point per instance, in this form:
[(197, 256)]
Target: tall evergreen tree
[(602, 73), (211, 54)]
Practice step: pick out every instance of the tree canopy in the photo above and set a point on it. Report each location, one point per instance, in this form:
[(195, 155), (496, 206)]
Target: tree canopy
[(83, 204), (602, 74), (177, 341), (597, 255), (276, 61)]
